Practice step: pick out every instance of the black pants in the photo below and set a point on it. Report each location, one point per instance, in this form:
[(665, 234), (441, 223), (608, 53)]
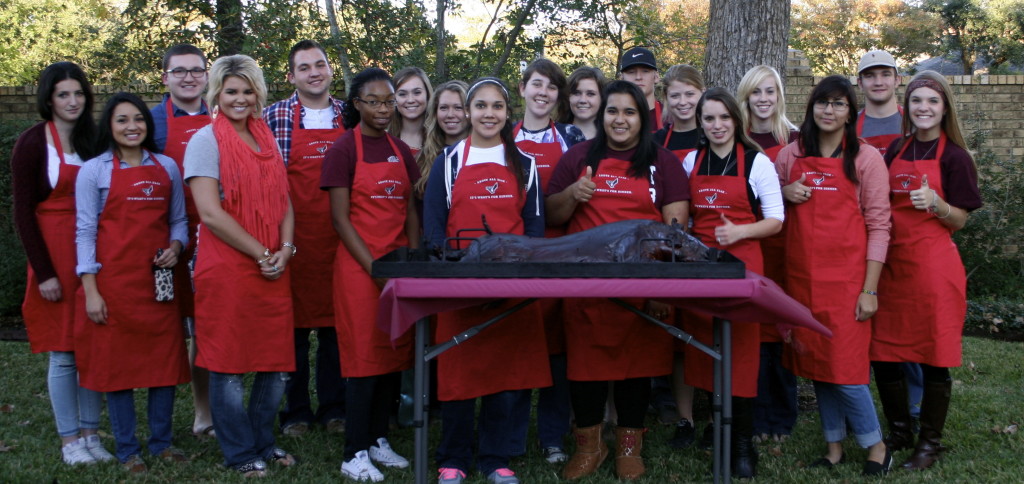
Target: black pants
[(369, 400), (632, 397), (888, 371)]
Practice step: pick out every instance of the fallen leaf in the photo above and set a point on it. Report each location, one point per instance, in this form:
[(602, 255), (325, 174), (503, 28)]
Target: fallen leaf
[(6, 408), (1008, 430), (6, 448), (25, 423), (776, 451)]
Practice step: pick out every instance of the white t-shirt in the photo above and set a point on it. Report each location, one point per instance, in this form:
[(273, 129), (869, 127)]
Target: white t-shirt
[(53, 163), (318, 118)]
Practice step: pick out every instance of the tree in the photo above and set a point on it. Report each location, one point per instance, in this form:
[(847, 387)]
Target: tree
[(743, 34), (990, 30)]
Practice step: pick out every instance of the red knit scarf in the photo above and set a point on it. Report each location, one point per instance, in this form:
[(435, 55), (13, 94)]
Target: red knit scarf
[(255, 183)]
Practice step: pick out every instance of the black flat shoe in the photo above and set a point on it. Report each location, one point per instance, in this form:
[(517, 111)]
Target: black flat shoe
[(824, 463), (872, 468)]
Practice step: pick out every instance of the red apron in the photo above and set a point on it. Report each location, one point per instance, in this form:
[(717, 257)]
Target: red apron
[(657, 121), (546, 156), (143, 343), (606, 341), (244, 321), (826, 261), (882, 141), (922, 294), (773, 249), (379, 200), (714, 195), (179, 131), (50, 325), (681, 154), (482, 366), (315, 236)]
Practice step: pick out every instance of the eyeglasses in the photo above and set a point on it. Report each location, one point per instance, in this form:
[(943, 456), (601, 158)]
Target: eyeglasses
[(821, 104), (376, 104), (179, 72)]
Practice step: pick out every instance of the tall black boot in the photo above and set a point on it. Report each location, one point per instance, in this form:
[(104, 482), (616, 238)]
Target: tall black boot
[(934, 407), (894, 405), (744, 452)]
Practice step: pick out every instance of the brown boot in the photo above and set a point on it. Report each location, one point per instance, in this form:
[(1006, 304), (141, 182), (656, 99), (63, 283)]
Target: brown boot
[(628, 463), (590, 453), (894, 405), (934, 407)]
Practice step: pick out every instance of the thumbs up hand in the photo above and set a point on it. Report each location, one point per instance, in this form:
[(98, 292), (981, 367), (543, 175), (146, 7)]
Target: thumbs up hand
[(729, 233), (583, 189), (925, 197), (797, 192)]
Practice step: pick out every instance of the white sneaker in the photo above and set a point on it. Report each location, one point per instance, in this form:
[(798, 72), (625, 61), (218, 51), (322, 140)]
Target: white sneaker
[(76, 453), (361, 469), (95, 447), (383, 455)]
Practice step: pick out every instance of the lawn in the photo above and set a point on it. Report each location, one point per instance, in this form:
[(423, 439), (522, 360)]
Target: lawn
[(985, 445)]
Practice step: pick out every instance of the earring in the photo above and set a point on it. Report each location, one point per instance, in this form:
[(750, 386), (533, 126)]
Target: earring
[(215, 112)]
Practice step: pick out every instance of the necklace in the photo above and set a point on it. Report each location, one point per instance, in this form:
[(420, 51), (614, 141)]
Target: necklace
[(926, 153), (729, 162)]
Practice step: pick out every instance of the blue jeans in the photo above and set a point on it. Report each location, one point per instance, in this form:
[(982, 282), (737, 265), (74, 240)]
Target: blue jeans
[(775, 407), (456, 447), (159, 410), (245, 434), (915, 387), (330, 387), (74, 407), (839, 405), (553, 419)]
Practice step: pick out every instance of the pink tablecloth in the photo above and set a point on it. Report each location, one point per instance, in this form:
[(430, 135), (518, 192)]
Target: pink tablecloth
[(755, 298)]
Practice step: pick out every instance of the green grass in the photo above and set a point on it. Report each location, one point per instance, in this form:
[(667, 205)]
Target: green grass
[(987, 394)]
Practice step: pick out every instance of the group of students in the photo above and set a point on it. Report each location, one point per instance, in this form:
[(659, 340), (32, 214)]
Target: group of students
[(208, 187)]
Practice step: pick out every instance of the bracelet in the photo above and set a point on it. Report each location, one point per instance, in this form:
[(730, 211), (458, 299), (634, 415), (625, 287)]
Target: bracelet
[(949, 210), (290, 246), (870, 293), (266, 257)]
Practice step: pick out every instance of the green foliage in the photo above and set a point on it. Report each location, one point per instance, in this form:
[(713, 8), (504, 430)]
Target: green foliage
[(281, 24), (990, 243), (991, 30), (12, 256), (1001, 318)]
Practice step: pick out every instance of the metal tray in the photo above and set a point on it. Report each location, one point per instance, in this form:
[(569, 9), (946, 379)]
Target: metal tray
[(417, 263)]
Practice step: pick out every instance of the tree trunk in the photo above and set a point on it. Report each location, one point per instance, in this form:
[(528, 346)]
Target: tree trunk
[(346, 68), (440, 63), (743, 34), (230, 28), (513, 36)]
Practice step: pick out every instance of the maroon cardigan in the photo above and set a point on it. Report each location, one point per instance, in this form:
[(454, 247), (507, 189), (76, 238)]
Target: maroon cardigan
[(31, 186)]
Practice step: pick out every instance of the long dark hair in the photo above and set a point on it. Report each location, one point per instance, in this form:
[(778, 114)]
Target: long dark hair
[(735, 112), (512, 154), (350, 115), (832, 87), (83, 135), (105, 138), (646, 149)]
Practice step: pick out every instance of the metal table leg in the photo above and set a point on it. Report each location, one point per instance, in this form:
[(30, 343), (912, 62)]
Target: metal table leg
[(420, 395), (722, 402)]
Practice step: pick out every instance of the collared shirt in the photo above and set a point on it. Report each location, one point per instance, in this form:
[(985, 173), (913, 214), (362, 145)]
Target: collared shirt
[(91, 189), (280, 116), (160, 120)]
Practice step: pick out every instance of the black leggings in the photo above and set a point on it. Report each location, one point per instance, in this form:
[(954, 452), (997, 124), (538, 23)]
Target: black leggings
[(631, 399), (368, 401), (888, 372)]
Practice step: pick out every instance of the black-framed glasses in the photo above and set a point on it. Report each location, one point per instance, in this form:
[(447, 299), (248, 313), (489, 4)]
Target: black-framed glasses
[(179, 72), (821, 104), (376, 104)]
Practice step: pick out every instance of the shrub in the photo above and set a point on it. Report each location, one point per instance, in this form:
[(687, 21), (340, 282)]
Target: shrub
[(997, 318), (12, 256)]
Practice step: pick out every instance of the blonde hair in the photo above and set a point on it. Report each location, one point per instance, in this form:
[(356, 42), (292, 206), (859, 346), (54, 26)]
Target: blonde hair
[(683, 73), (781, 125), (400, 77), (242, 67), (950, 121), (434, 141)]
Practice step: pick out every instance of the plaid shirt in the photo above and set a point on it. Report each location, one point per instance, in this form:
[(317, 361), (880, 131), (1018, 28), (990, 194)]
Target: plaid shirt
[(281, 115)]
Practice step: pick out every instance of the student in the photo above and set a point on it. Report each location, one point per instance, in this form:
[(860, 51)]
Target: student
[(413, 92), (447, 124), (179, 114), (683, 87), (585, 85), (544, 91), (243, 298), (44, 165), (922, 292), (128, 201), (639, 66), (736, 202), (369, 175), (459, 191), (837, 234), (763, 104), (607, 343), (305, 125)]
